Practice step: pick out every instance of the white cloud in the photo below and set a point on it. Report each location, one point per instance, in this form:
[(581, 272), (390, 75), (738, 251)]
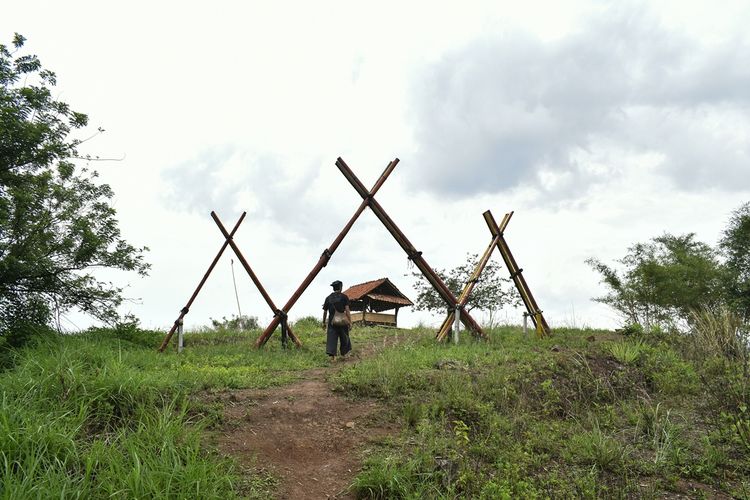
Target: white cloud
[(512, 109)]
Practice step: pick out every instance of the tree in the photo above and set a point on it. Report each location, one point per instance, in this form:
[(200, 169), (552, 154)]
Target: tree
[(664, 280), (735, 247), (489, 294), (56, 223)]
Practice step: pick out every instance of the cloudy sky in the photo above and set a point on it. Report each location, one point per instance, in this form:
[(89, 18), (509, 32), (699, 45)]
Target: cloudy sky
[(600, 124)]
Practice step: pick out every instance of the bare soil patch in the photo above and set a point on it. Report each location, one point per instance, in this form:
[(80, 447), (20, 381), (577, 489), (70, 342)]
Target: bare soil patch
[(310, 437)]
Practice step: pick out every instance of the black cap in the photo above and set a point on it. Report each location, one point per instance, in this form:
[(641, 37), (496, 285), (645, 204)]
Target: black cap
[(337, 284)]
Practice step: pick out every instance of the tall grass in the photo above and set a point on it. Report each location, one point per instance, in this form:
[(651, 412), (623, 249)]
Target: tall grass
[(721, 333), (597, 448), (103, 415), (517, 417), (77, 421), (721, 344)]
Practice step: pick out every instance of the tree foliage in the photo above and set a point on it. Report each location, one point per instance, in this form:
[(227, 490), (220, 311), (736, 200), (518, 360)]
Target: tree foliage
[(735, 247), (490, 293), (56, 222), (663, 281)]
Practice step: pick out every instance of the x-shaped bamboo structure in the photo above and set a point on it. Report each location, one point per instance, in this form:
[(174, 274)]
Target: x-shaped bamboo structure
[(463, 299), (412, 253), (326, 255), (229, 241), (516, 273), (278, 314), (498, 241)]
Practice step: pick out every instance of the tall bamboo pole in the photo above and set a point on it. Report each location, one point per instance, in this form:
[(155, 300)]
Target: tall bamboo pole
[(185, 309), (326, 255), (414, 255)]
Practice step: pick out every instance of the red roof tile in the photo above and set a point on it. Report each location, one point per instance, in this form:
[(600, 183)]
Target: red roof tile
[(370, 288), (356, 292), (390, 298)]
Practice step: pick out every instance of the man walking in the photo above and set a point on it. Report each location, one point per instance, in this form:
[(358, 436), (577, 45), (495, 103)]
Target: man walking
[(336, 311)]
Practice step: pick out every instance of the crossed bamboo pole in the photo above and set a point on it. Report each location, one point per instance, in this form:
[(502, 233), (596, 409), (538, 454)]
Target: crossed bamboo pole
[(516, 274), (190, 301), (279, 314), (463, 299), (326, 255), (414, 255)]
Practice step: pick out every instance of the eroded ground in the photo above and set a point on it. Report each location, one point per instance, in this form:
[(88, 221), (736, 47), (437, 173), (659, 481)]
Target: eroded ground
[(310, 437)]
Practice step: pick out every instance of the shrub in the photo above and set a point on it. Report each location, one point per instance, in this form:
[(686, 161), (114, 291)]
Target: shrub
[(657, 426), (721, 347), (597, 448), (721, 333), (307, 325), (235, 323), (626, 353)]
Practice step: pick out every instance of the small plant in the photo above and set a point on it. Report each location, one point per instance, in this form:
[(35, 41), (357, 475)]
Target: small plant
[(742, 424), (597, 448), (413, 413), (657, 426), (626, 353), (461, 431)]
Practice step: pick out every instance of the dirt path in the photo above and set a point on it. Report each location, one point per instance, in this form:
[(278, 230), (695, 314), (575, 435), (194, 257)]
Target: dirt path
[(310, 437)]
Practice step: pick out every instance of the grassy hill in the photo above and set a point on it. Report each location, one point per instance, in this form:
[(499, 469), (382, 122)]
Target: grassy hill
[(583, 414)]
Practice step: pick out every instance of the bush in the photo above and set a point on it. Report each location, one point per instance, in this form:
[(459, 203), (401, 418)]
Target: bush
[(129, 333), (22, 334), (235, 323), (721, 333), (626, 353), (597, 448), (307, 323), (663, 280)]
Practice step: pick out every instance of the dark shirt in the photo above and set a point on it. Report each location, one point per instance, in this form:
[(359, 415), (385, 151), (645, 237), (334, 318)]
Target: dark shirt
[(337, 301)]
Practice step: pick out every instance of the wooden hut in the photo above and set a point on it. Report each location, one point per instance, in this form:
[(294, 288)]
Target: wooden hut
[(369, 300)]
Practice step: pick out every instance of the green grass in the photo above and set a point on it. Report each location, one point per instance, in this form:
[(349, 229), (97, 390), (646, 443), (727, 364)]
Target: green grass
[(626, 352), (561, 417), (103, 415)]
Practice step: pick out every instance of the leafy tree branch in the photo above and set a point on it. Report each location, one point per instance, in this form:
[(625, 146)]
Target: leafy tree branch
[(56, 221)]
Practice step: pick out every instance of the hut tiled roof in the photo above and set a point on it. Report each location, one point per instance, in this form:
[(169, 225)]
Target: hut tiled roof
[(380, 291)]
